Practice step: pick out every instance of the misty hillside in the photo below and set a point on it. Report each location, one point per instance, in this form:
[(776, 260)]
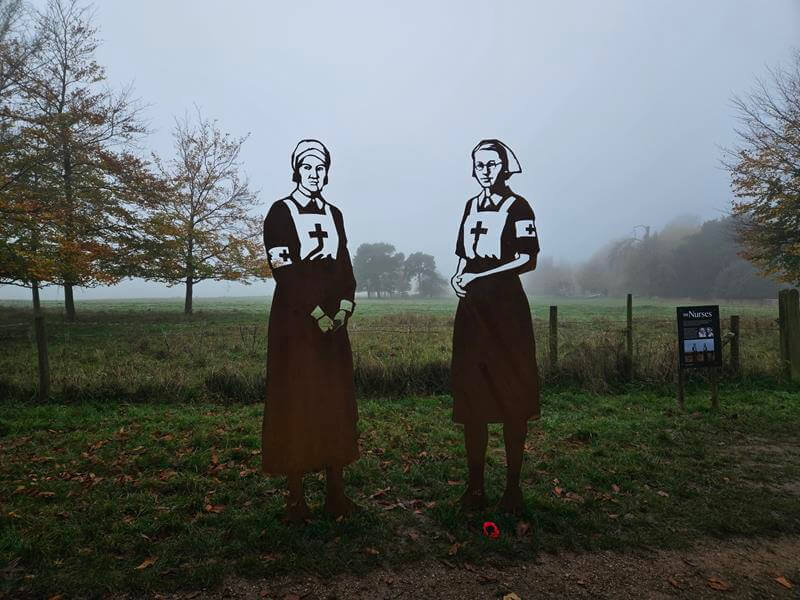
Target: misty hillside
[(684, 259)]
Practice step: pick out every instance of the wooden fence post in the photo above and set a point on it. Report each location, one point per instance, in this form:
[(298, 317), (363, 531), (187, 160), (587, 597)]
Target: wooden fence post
[(793, 333), (554, 338), (41, 344), (735, 363), (783, 297), (714, 388), (629, 339)]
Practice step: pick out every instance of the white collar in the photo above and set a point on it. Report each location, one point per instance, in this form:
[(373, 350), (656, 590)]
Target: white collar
[(305, 200), (495, 199)]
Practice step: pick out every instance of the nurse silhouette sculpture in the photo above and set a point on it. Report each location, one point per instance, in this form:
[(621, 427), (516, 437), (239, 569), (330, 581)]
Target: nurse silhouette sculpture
[(310, 414), (310, 411), (494, 374)]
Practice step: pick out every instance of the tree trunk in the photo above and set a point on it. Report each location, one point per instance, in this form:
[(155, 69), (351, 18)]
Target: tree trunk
[(69, 301), (187, 305), (41, 344)]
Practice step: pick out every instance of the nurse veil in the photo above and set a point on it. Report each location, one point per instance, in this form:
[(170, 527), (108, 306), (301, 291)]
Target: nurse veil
[(494, 373), (310, 410)]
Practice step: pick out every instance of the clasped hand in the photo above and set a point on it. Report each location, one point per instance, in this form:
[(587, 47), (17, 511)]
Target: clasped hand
[(325, 323)]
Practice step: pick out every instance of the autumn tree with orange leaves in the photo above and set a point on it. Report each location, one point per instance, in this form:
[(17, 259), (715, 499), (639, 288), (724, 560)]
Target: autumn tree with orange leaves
[(95, 180), (203, 229), (28, 257), (765, 173)]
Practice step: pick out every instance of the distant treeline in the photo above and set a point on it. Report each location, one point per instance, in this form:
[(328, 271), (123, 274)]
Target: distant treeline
[(685, 259), (382, 271)]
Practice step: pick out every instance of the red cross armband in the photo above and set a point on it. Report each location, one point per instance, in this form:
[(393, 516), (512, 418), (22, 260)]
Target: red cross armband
[(525, 228), (279, 257)]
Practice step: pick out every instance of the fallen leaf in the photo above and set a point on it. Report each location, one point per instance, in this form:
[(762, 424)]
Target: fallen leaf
[(511, 596), (214, 508), (148, 562), (663, 493), (167, 474), (453, 550), (674, 582), (718, 584), (558, 491), (379, 493), (522, 529), (615, 488), (269, 557), (371, 551), (56, 597), (455, 482), (784, 582)]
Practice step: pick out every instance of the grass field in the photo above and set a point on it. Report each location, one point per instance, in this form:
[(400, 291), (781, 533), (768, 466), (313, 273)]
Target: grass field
[(146, 350), (104, 497), (142, 472)]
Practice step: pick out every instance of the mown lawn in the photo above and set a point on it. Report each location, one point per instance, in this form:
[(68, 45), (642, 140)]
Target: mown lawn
[(137, 497)]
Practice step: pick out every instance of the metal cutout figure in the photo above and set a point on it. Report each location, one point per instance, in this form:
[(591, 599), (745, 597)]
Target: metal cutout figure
[(310, 411), (494, 374)]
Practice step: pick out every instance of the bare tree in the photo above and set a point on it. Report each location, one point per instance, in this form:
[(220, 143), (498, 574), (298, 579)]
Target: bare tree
[(202, 229)]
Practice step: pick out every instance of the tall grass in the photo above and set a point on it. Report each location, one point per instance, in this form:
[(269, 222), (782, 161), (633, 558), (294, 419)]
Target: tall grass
[(219, 355)]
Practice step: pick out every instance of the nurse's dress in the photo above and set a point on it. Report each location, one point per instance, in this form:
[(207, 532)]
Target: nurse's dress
[(494, 374), (310, 412)]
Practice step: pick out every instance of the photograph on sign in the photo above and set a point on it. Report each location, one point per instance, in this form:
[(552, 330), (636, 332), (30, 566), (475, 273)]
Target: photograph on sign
[(699, 351)]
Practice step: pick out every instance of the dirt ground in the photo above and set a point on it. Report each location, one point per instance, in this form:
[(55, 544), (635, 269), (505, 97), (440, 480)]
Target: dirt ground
[(744, 568)]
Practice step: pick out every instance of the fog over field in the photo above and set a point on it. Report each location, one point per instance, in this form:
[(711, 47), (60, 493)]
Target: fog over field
[(616, 110)]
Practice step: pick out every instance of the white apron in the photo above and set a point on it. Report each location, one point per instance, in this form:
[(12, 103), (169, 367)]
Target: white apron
[(317, 233), (483, 230)]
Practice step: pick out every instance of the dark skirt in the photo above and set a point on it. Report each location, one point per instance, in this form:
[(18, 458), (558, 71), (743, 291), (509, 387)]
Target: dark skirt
[(310, 413), (494, 374)]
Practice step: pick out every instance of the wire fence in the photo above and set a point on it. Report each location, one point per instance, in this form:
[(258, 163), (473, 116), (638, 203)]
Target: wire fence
[(394, 354)]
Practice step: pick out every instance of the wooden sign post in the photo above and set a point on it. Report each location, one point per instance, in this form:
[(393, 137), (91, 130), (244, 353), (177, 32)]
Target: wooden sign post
[(789, 320), (699, 346)]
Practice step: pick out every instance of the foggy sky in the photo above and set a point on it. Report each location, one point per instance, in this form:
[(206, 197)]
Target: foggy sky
[(616, 110)]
